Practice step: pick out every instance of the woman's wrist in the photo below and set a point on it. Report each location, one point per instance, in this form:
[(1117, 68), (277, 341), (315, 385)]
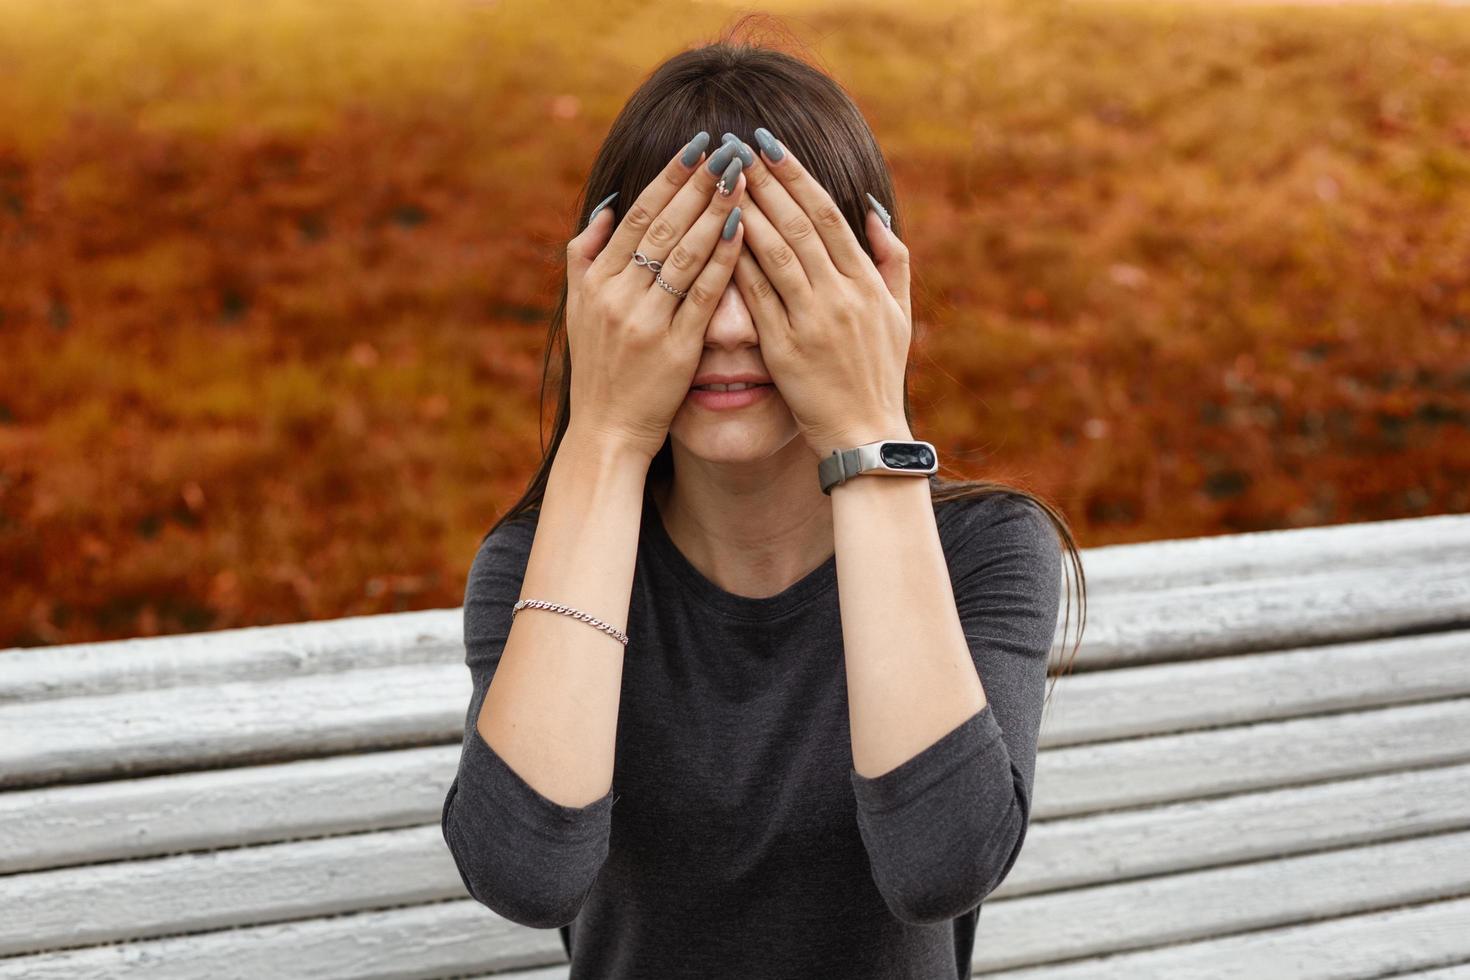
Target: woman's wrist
[(613, 449)]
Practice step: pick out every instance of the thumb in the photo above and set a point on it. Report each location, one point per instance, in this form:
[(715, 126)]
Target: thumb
[(890, 255), (583, 250)]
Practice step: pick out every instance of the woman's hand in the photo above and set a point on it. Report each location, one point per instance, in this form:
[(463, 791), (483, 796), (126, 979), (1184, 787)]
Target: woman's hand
[(635, 346), (834, 327)]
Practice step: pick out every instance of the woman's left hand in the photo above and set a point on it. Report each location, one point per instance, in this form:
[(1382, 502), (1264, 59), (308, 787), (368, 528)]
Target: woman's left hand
[(834, 327)]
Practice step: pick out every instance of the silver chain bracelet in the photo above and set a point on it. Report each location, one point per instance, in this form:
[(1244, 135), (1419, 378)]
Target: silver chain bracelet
[(612, 631)]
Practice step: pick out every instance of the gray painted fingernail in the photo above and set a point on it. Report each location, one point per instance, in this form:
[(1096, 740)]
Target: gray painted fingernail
[(694, 149), (720, 159), (730, 177), (601, 206), (768, 144), (730, 224), (743, 151), (882, 212), (728, 137)]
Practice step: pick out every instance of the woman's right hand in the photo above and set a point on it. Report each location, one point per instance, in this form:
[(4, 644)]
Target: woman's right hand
[(634, 346)]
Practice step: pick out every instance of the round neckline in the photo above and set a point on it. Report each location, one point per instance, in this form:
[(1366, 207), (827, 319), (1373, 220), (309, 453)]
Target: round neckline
[(814, 583)]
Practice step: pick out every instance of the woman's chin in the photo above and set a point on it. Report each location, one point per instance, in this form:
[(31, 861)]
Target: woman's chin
[(731, 439)]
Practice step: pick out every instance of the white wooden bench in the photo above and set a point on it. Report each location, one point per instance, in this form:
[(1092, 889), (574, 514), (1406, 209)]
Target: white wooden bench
[(1260, 767)]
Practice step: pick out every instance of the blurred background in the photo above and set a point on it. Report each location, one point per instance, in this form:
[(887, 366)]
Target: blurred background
[(274, 277)]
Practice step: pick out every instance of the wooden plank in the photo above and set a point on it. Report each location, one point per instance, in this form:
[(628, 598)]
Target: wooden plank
[(457, 938), (434, 636), (1198, 905), (446, 939), (172, 729), (1194, 694), (145, 732), (1138, 772), (61, 826), (355, 793), (102, 903), (1218, 558), (251, 885), (1329, 606), (1103, 847), (58, 826), (180, 811), (1374, 944), (1383, 572)]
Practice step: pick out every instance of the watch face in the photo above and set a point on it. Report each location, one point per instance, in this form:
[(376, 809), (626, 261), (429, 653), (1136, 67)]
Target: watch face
[(906, 455)]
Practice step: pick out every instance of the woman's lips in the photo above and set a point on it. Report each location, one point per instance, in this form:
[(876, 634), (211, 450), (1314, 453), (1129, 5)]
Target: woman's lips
[(719, 400)]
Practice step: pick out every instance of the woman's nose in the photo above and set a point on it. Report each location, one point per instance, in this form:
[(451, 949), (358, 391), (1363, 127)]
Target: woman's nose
[(731, 323)]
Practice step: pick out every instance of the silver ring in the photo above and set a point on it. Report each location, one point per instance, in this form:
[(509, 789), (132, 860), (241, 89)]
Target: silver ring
[(658, 277), (640, 259)]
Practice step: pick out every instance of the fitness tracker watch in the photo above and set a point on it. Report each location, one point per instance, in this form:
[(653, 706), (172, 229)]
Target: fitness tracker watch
[(886, 457)]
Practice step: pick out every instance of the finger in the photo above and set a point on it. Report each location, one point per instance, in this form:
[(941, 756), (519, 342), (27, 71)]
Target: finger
[(583, 249), (890, 255), (718, 177), (650, 205), (799, 205), (760, 297), (778, 262), (682, 268), (704, 294)]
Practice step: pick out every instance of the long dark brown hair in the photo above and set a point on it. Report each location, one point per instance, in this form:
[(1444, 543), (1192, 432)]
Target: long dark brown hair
[(735, 87)]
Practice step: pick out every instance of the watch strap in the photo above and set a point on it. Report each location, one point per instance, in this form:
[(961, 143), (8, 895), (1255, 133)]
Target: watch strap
[(836, 469), (844, 464)]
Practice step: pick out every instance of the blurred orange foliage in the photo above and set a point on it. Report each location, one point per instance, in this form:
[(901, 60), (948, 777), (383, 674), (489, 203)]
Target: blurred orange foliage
[(274, 276)]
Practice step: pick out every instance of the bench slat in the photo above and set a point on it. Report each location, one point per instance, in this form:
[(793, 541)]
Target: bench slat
[(448, 939), (1080, 851), (1196, 905), (1149, 565), (1375, 944), (333, 646), (1175, 697), (1203, 906), (1401, 575), (1459, 972), (249, 804), (1084, 778), (100, 903), (91, 823), (1329, 606), (132, 899), (146, 732), (142, 733)]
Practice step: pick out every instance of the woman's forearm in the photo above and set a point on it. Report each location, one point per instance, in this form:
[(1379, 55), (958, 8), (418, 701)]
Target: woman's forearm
[(551, 710)]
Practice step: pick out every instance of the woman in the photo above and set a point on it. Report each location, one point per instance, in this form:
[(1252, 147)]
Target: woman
[(754, 721)]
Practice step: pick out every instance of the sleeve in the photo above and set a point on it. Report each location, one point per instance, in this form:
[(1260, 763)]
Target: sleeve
[(944, 828), (522, 855)]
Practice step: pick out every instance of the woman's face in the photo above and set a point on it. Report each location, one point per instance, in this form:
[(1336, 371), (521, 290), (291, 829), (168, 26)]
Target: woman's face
[(739, 434)]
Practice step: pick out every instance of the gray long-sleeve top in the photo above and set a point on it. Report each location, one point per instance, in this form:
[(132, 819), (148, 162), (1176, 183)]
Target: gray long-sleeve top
[(737, 840)]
